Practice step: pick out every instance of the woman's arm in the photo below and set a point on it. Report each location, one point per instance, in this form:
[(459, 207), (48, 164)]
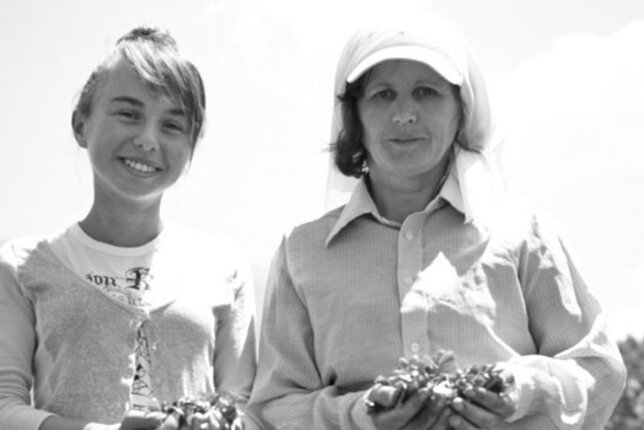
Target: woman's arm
[(579, 375), (289, 392)]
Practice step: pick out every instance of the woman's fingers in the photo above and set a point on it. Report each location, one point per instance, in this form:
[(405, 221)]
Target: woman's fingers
[(403, 413), (433, 415), (470, 415), (500, 404)]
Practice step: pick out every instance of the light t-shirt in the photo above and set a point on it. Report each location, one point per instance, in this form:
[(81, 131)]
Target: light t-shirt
[(124, 274)]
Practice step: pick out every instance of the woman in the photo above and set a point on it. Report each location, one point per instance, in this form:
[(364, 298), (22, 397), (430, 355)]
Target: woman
[(427, 255), (122, 311)]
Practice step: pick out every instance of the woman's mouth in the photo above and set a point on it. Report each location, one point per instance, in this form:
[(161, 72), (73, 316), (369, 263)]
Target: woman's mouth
[(405, 140)]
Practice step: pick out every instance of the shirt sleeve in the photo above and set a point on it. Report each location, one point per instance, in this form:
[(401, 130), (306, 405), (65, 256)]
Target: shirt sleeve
[(235, 359), (17, 345), (578, 375), (288, 391)]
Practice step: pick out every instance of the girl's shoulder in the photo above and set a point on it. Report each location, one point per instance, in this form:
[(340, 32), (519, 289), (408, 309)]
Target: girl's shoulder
[(200, 248), (17, 250)]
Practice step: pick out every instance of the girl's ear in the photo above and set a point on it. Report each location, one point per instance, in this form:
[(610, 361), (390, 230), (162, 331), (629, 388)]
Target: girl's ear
[(78, 125)]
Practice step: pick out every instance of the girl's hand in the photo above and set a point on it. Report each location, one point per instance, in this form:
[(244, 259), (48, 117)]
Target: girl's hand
[(211, 420), (482, 409), (139, 420), (419, 412)]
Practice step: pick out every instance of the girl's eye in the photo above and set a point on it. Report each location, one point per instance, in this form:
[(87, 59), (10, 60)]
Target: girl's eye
[(174, 127), (129, 115)]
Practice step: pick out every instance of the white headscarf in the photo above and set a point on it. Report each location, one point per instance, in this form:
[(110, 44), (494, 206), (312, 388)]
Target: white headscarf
[(434, 41)]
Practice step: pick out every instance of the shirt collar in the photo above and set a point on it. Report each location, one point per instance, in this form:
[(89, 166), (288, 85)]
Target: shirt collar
[(361, 203)]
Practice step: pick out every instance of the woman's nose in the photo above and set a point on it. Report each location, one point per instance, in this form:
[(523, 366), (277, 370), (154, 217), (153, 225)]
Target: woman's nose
[(404, 113), (406, 117), (147, 140)]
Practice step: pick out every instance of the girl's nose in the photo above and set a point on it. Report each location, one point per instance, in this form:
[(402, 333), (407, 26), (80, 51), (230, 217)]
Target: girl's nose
[(147, 140)]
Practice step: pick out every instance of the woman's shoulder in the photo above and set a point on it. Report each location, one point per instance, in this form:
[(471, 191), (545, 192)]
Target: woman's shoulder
[(523, 219), (315, 231)]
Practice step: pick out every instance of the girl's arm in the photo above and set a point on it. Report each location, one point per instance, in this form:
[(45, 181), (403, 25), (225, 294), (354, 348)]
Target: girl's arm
[(235, 358), (17, 346), (59, 423)]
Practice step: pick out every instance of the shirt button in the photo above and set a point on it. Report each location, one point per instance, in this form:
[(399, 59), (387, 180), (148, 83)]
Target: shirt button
[(415, 347), (408, 280), (409, 235)]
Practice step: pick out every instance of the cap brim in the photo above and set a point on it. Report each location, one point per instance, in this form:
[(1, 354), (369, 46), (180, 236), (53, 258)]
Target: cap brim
[(434, 59)]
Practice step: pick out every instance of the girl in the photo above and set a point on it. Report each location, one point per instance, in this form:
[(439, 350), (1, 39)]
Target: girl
[(121, 309)]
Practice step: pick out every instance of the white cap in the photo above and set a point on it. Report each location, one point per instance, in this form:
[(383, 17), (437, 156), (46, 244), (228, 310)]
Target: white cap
[(435, 59)]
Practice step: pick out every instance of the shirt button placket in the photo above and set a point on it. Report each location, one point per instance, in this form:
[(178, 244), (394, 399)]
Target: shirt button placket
[(413, 316)]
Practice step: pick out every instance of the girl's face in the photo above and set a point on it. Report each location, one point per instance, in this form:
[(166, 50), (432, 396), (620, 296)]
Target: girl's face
[(138, 142), (410, 116)]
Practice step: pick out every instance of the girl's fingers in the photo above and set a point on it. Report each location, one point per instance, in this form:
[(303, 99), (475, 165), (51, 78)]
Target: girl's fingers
[(171, 422), (215, 420), (198, 421), (139, 420)]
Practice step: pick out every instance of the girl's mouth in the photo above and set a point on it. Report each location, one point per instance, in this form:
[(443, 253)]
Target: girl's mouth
[(140, 166)]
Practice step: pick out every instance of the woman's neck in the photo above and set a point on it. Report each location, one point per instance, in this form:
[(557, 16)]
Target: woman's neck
[(397, 198)]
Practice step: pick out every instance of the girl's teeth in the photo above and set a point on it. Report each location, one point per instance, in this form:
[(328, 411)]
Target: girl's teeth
[(139, 166)]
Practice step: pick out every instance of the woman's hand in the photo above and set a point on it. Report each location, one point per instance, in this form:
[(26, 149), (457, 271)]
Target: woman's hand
[(418, 412), (479, 408)]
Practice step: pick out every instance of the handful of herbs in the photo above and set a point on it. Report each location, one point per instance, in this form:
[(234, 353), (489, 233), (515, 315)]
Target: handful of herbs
[(439, 373), (221, 405)]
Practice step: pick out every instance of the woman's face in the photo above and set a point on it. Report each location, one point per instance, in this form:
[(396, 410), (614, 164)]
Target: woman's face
[(410, 116)]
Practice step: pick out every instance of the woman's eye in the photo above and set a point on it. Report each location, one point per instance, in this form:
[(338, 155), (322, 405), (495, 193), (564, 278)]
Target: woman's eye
[(425, 91), (383, 95)]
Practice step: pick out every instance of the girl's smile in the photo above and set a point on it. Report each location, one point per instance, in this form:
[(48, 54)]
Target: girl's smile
[(138, 141)]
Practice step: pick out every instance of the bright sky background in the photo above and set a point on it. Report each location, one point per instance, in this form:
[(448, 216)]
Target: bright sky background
[(566, 76)]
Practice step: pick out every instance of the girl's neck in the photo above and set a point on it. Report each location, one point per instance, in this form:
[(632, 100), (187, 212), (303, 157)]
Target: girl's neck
[(123, 225)]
